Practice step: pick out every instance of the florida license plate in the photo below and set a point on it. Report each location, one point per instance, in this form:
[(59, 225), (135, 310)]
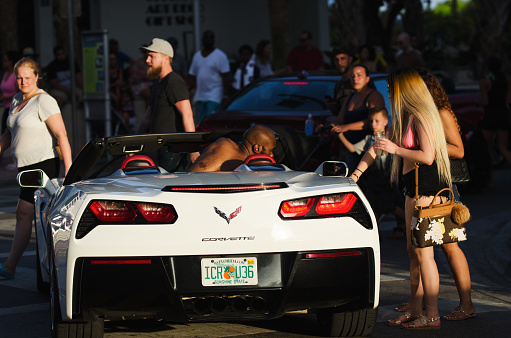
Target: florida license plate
[(229, 271)]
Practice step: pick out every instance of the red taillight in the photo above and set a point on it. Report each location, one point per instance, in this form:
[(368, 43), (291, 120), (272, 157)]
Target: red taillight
[(156, 212), (296, 208), (332, 254), (328, 205), (335, 204), (126, 212), (113, 211)]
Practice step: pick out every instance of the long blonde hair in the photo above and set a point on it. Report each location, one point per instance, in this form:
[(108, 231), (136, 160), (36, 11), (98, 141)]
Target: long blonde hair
[(411, 99)]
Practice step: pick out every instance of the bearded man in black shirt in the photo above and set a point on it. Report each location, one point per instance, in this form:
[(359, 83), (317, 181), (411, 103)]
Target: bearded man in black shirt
[(169, 107)]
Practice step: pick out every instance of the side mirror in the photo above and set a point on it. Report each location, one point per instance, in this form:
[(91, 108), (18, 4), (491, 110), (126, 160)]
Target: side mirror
[(36, 178), (332, 168)]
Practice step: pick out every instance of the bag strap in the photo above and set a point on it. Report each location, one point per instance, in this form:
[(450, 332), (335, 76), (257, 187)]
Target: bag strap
[(449, 202), (17, 107), (416, 182), (31, 96)]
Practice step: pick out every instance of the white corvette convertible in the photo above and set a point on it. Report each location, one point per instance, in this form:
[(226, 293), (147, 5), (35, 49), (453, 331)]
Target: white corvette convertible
[(122, 238)]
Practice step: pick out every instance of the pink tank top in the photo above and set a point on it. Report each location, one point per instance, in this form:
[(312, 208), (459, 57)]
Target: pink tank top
[(409, 140)]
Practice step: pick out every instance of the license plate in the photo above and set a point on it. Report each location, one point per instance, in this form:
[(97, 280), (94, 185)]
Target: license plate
[(229, 271)]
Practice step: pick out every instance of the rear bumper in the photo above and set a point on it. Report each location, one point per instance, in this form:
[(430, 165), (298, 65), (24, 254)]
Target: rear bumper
[(171, 287)]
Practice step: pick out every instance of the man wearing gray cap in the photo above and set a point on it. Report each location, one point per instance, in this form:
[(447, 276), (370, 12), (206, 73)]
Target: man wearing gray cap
[(169, 107)]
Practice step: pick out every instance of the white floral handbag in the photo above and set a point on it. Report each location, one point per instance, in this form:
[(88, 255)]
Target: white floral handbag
[(433, 224)]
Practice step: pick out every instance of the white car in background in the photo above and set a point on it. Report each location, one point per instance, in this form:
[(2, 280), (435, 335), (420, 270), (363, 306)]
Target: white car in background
[(123, 238)]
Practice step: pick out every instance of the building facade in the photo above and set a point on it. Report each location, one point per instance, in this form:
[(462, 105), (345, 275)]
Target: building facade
[(235, 22)]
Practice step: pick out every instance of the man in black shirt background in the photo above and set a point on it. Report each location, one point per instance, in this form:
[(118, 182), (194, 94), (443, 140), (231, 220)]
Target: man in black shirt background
[(169, 107)]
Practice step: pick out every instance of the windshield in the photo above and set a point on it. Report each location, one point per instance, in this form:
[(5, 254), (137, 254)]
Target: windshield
[(285, 95)]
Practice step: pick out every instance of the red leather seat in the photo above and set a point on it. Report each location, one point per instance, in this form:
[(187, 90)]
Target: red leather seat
[(137, 161), (259, 159)]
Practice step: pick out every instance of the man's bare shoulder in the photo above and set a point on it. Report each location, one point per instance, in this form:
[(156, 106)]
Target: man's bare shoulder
[(224, 148), (215, 156), (224, 141)]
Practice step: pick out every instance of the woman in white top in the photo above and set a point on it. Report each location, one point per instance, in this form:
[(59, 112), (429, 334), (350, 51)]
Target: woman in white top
[(34, 128)]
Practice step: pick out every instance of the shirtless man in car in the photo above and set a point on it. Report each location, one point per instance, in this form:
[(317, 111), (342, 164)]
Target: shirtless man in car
[(226, 155)]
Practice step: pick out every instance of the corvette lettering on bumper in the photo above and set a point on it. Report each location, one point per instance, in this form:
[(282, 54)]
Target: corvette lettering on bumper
[(225, 239)]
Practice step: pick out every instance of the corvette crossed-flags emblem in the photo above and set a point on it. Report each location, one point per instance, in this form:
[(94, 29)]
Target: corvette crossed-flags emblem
[(224, 215)]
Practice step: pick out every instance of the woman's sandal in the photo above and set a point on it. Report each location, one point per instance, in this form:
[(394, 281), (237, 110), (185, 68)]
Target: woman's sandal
[(425, 324), (459, 314), (405, 306), (396, 321), (4, 273)]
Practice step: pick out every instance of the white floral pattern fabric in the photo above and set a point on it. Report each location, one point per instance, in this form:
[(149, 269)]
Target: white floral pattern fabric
[(431, 231)]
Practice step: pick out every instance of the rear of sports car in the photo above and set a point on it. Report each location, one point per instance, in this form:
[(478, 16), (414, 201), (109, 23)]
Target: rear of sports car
[(220, 246)]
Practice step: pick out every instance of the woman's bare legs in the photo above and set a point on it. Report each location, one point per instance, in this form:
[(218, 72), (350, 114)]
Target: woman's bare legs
[(416, 289), (430, 279), (461, 274), (431, 284), (424, 278), (22, 234)]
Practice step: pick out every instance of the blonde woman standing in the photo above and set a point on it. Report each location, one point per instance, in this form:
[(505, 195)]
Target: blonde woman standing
[(417, 136), (34, 126), (455, 256)]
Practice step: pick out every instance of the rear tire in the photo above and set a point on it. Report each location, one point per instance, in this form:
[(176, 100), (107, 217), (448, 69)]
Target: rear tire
[(348, 324), (63, 329)]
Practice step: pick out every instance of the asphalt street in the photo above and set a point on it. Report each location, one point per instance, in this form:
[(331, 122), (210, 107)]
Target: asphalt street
[(488, 252)]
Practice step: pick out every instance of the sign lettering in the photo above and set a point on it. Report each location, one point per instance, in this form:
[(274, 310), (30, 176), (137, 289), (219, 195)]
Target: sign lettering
[(169, 13)]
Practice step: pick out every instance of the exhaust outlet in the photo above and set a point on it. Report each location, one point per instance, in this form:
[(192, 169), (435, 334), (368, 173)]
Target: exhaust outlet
[(258, 304), (218, 304), (200, 305), (239, 304)]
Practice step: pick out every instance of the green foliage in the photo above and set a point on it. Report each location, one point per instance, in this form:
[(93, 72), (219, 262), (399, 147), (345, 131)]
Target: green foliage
[(445, 8), (449, 35), (442, 9)]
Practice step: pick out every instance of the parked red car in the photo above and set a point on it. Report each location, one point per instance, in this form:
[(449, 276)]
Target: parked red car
[(284, 101)]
